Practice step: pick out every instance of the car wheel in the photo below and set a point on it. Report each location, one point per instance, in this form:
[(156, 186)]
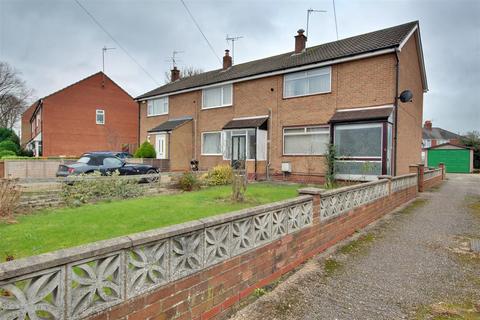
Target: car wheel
[(151, 179)]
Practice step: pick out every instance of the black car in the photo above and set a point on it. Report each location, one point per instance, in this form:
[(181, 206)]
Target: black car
[(105, 163)]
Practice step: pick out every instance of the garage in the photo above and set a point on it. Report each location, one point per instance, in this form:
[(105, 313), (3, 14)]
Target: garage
[(457, 159)]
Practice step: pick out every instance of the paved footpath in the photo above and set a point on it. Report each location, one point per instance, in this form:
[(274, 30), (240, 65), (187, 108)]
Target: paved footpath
[(405, 267)]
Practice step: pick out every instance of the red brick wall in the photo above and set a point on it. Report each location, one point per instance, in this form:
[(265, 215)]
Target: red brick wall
[(433, 182), (211, 293), (68, 118)]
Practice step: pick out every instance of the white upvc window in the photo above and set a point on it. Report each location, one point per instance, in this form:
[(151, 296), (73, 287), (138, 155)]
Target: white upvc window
[(217, 97), (100, 116), (308, 82), (157, 107), (212, 143), (311, 140)]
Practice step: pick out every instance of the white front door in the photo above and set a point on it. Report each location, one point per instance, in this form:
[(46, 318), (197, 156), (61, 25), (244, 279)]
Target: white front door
[(161, 146)]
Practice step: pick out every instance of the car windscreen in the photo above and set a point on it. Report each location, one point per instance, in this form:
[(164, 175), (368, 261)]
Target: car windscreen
[(84, 160)]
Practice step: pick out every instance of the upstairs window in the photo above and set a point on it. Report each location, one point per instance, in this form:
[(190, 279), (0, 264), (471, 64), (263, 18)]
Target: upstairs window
[(217, 97), (100, 116), (157, 107), (307, 82), (306, 140)]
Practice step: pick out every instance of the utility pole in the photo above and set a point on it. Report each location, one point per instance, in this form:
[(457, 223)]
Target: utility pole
[(233, 39), (104, 49), (310, 11)]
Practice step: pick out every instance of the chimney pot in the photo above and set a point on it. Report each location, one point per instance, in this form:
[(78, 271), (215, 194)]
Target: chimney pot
[(428, 125), (300, 41), (227, 60), (175, 74)]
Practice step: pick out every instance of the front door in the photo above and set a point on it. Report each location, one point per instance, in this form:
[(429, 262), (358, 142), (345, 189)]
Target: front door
[(161, 146), (239, 152)]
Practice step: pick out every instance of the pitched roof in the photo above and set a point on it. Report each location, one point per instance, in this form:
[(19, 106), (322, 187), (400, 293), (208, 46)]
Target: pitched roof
[(365, 43), (361, 114), (246, 123), (448, 144), (39, 102), (170, 125), (439, 133)]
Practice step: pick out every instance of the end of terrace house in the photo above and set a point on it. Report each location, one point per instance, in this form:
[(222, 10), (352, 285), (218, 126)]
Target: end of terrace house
[(274, 117)]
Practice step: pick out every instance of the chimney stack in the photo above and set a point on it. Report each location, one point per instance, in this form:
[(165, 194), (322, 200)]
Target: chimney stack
[(428, 125), (300, 41), (175, 74), (227, 60)]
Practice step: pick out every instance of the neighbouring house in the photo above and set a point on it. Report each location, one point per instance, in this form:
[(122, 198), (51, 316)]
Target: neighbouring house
[(433, 136), (276, 116), (93, 114)]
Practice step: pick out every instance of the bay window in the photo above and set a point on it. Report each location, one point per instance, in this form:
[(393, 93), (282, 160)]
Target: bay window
[(359, 149), (217, 97), (157, 107), (212, 143), (306, 140), (308, 82)]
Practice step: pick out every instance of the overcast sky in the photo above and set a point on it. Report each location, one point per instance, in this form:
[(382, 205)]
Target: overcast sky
[(54, 43)]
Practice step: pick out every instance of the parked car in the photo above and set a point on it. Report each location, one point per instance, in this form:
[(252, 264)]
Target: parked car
[(123, 155), (105, 163)]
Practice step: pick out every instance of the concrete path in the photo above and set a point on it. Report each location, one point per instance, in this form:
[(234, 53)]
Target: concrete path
[(412, 264)]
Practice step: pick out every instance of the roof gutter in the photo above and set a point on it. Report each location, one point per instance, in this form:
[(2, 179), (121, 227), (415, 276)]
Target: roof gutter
[(279, 72)]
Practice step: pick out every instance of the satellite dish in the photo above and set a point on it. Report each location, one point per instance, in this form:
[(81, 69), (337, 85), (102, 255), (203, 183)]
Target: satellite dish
[(406, 96)]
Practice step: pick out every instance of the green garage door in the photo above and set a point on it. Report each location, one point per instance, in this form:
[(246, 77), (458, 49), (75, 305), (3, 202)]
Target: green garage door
[(456, 160)]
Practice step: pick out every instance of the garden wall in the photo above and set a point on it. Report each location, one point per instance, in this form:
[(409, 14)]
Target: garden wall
[(196, 270), (32, 169)]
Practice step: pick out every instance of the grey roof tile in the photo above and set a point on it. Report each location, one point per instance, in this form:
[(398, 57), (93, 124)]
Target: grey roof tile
[(368, 42)]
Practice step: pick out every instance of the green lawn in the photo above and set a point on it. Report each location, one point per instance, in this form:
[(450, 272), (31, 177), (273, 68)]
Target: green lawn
[(67, 227)]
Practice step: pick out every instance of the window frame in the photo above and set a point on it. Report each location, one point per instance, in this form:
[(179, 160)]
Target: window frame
[(305, 76), (304, 133), (222, 105), (166, 99), (202, 143), (97, 113), (361, 126)]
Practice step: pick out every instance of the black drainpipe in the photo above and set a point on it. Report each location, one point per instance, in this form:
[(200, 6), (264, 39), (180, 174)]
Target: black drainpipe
[(138, 126), (397, 71)]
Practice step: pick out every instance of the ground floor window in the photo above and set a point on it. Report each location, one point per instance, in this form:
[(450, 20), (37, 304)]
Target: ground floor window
[(363, 150), (306, 140), (212, 143)]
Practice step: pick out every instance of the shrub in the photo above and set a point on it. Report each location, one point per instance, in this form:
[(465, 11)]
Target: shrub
[(146, 150), (7, 154), (188, 182), (220, 175), (95, 187), (9, 145), (9, 134), (9, 198)]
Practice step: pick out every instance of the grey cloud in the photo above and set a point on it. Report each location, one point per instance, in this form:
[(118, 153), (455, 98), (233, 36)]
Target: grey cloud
[(54, 43)]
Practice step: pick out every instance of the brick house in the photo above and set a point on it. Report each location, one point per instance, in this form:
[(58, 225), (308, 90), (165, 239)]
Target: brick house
[(434, 136), (275, 116), (92, 114)]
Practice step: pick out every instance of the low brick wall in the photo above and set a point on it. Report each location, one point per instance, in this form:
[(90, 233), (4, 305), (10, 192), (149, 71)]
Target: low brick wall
[(432, 178), (199, 269)]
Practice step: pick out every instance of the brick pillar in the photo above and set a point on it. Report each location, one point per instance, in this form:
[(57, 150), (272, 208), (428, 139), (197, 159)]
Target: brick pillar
[(389, 178), (421, 171), (441, 165), (316, 193)]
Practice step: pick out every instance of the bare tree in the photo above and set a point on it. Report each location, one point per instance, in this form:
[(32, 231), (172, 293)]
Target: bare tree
[(13, 96), (185, 72)]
